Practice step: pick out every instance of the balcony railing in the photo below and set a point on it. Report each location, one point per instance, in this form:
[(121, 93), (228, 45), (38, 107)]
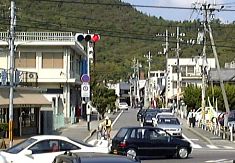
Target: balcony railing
[(39, 36), (23, 78)]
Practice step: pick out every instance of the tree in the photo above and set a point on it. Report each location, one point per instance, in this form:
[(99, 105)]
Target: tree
[(192, 97), (103, 98)]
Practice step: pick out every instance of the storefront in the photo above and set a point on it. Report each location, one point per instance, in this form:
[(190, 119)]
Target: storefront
[(26, 112)]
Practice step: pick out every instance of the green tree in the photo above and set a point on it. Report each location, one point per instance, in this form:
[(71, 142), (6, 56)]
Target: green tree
[(103, 98), (192, 97)]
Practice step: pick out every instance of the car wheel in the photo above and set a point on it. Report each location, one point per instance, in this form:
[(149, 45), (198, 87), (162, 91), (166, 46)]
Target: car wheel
[(131, 153), (182, 152)]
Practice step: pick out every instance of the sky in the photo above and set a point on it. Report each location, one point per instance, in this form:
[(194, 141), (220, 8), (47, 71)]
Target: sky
[(176, 14)]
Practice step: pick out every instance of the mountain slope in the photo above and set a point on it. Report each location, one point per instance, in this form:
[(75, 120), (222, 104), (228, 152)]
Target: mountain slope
[(125, 32)]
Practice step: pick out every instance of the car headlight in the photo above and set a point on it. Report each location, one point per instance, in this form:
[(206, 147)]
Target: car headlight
[(179, 129)]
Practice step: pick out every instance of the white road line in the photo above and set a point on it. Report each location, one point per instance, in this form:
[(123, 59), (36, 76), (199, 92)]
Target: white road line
[(228, 147), (212, 146), (221, 160), (191, 142), (117, 118)]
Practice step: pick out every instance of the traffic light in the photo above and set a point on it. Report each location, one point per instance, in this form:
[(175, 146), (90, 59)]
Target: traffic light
[(87, 37)]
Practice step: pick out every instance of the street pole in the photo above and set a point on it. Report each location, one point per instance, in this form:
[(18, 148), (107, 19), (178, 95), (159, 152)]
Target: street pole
[(88, 112), (178, 69), (12, 67), (166, 53)]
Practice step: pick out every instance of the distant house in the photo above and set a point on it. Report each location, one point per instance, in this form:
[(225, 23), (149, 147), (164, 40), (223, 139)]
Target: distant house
[(226, 74)]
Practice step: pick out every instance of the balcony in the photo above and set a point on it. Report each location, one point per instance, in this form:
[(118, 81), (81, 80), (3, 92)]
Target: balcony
[(39, 36)]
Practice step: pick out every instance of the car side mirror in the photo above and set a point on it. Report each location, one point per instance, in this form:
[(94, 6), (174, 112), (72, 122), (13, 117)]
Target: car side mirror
[(28, 152)]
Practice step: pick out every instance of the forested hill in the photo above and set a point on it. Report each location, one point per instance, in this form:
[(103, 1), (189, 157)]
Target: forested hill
[(125, 32)]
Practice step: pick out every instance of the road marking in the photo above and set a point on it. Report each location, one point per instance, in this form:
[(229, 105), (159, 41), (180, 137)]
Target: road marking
[(228, 147), (117, 118), (212, 146), (221, 160), (191, 142), (194, 139)]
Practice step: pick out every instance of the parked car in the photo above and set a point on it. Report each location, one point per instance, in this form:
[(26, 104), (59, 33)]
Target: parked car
[(148, 142), (123, 106), (140, 114), (44, 148), (69, 157), (170, 124)]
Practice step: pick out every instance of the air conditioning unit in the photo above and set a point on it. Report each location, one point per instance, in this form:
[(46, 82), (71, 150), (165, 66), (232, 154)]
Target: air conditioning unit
[(31, 77)]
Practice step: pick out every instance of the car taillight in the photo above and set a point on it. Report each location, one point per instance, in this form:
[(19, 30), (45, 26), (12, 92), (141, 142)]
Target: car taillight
[(122, 144)]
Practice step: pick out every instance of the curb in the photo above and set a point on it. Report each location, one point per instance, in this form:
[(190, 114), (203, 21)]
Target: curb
[(90, 135), (200, 135)]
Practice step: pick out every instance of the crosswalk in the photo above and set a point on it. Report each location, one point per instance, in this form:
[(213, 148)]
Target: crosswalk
[(207, 146)]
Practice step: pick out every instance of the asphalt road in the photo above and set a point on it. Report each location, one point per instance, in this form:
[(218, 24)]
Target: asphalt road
[(210, 150)]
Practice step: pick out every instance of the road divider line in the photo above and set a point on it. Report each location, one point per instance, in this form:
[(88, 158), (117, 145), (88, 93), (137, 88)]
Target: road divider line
[(115, 120), (191, 142), (212, 146)]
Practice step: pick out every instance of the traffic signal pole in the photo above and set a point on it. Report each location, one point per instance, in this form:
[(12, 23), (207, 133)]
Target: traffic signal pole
[(88, 98), (12, 67)]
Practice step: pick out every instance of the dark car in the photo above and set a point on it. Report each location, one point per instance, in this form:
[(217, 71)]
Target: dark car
[(89, 157), (140, 114), (148, 142), (149, 115)]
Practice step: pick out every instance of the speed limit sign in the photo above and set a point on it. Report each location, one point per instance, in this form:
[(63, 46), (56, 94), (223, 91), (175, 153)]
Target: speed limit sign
[(85, 90)]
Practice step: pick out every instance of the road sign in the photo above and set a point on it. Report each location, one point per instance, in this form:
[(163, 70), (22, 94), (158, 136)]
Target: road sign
[(4, 77), (85, 90), (85, 78)]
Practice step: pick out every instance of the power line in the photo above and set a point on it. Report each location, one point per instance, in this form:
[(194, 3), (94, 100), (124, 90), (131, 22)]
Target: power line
[(125, 5)]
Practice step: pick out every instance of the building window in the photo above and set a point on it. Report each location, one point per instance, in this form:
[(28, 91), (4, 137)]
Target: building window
[(174, 84), (28, 116), (174, 69), (183, 70), (52, 60), (191, 69), (25, 60)]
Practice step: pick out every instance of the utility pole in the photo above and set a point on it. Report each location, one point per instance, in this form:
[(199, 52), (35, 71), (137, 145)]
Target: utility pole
[(178, 67), (166, 53), (207, 28), (12, 69), (147, 96)]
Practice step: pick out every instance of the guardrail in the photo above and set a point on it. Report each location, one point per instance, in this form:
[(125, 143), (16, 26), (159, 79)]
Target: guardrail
[(225, 132)]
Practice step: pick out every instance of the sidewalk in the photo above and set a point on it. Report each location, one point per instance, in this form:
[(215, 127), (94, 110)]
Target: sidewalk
[(77, 131), (205, 135)]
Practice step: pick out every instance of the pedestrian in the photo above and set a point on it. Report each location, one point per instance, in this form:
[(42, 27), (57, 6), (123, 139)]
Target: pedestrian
[(193, 118), (190, 117)]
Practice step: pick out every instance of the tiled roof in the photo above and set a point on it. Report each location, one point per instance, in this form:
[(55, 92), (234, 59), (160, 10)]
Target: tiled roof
[(226, 75)]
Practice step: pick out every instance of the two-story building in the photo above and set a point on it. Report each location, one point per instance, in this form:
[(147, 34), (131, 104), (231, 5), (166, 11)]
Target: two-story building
[(190, 73), (56, 61)]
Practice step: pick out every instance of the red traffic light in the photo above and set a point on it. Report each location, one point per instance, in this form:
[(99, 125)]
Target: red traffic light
[(95, 37), (87, 37)]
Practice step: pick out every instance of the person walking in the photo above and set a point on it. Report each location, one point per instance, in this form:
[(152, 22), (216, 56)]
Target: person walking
[(190, 118), (193, 118)]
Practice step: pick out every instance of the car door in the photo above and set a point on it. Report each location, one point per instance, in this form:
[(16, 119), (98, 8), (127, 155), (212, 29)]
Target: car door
[(161, 143), (45, 151), (142, 142)]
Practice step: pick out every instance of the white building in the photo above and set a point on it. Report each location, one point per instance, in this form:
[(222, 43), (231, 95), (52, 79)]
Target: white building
[(55, 61), (190, 73)]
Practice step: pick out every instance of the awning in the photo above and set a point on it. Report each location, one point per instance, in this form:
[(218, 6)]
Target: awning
[(24, 99)]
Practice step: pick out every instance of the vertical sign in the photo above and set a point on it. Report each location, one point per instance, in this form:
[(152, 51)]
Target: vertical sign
[(85, 90)]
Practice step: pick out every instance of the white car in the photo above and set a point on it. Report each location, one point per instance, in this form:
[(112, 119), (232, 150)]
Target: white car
[(44, 148), (123, 105)]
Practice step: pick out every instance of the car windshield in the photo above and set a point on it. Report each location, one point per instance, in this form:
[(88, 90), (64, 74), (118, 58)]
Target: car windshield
[(19, 147), (174, 121)]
